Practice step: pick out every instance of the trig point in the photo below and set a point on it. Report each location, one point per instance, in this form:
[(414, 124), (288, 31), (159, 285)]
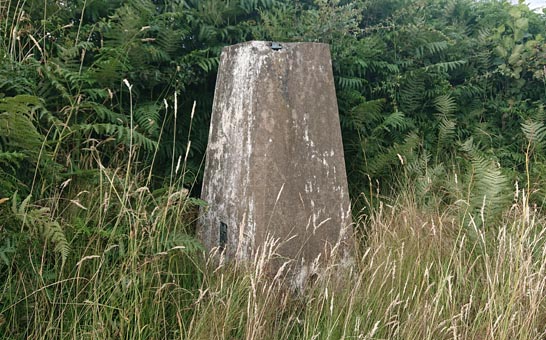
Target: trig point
[(275, 170)]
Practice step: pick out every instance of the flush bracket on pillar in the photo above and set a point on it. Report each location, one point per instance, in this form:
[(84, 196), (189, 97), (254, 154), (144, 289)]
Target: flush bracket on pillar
[(223, 236)]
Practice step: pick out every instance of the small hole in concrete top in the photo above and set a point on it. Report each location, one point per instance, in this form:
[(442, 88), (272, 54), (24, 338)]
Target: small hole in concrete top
[(275, 46)]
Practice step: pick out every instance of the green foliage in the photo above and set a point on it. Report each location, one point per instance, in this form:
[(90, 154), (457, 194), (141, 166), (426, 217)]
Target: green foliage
[(443, 99), (35, 220), (444, 72), (413, 80), (22, 146), (16, 119), (535, 132), (487, 184), (123, 134)]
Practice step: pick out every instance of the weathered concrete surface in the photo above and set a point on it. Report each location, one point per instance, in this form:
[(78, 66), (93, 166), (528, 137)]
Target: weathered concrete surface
[(275, 168)]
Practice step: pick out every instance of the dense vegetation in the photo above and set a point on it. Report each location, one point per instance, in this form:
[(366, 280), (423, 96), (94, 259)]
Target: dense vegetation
[(104, 114)]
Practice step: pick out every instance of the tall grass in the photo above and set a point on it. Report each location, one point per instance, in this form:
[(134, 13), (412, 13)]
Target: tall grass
[(136, 273), (109, 258), (421, 275), (102, 257)]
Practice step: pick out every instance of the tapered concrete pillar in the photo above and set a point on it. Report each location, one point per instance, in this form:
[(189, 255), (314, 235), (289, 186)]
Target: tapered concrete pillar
[(275, 168)]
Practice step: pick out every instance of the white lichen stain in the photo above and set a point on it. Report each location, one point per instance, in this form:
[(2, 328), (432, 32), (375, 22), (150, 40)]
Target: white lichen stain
[(308, 187), (308, 141), (299, 280), (230, 178)]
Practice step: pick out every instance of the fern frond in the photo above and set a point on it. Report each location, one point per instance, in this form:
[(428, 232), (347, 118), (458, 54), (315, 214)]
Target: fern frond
[(535, 132), (22, 83), (391, 156), (488, 185), (12, 157), (151, 53), (352, 83), (53, 232), (169, 40), (40, 219), (19, 104), (395, 121), (147, 118), (446, 134), (110, 66), (102, 112), (445, 104), (251, 5), (95, 94), (208, 64), (121, 133), (446, 66), (431, 48), (419, 165), (72, 53), (17, 130), (365, 114), (411, 92)]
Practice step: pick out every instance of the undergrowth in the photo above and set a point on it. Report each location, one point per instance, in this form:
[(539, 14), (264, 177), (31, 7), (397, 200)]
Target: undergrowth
[(96, 173), (120, 261)]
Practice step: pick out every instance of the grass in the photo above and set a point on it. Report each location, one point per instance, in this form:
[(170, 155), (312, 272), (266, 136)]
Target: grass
[(134, 271), (107, 257)]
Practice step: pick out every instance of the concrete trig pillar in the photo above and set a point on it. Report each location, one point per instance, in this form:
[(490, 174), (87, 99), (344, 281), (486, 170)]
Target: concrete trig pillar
[(275, 168)]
